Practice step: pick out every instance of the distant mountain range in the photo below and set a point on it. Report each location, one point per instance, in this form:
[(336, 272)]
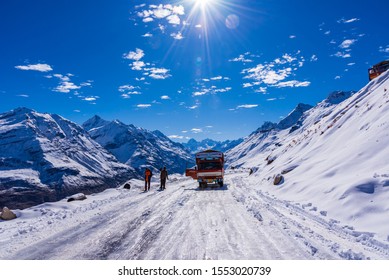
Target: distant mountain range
[(138, 147), (44, 157), (196, 146)]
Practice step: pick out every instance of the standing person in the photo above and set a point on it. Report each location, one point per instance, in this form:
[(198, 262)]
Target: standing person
[(163, 177), (148, 175)]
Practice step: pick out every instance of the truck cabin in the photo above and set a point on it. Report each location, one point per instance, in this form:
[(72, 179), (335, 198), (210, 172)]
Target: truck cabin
[(210, 165), (378, 69)]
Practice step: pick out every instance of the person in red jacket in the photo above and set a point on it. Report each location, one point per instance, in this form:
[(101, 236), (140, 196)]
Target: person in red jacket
[(148, 175)]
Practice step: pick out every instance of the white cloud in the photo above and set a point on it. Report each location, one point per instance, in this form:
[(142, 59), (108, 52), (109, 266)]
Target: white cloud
[(292, 36), (162, 28), (275, 73), (241, 58), (293, 83), (178, 10), (247, 106), (158, 73), (137, 65), (196, 130), (384, 49), (134, 55), (177, 36), (66, 87), (140, 6), (198, 26), (246, 85), (91, 98), (148, 34), (271, 99), (193, 107), (348, 20), (148, 19), (176, 137), (23, 95), (342, 55), (266, 74), (314, 58), (161, 12), (216, 78), (337, 77), (222, 89), (174, 19), (165, 97), (124, 88), (261, 90), (35, 67), (63, 78), (199, 93), (142, 106), (347, 43)]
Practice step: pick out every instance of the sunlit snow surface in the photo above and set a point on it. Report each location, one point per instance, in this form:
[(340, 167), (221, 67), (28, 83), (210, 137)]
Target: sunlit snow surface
[(339, 158), (237, 221)]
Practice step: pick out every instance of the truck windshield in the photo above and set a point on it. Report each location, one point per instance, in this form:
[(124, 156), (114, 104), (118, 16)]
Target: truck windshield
[(210, 165)]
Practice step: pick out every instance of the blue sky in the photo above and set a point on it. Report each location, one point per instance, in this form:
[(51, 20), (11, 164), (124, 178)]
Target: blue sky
[(192, 68)]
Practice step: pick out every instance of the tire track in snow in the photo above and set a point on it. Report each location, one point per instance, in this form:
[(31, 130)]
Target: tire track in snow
[(324, 240)]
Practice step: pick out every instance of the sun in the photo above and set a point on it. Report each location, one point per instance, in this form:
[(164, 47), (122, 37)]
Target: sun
[(203, 3)]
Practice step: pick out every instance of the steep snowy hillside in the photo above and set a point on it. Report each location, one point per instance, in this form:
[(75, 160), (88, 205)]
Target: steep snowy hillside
[(44, 157), (265, 137), (208, 144), (335, 162), (137, 147)]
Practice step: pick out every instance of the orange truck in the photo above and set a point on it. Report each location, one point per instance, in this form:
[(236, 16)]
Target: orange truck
[(209, 168)]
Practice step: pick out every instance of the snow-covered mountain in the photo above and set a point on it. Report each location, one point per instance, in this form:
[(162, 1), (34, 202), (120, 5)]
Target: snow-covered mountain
[(138, 147), (208, 144), (44, 157), (335, 156)]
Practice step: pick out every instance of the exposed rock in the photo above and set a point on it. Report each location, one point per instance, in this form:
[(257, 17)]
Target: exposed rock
[(270, 159), (279, 179), (7, 214), (288, 169), (127, 186), (79, 196)]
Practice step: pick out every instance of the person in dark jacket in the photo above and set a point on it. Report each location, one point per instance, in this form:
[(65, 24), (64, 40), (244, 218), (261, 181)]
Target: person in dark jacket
[(163, 177), (148, 175)]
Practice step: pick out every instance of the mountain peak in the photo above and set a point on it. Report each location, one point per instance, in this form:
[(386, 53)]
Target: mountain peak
[(337, 97), (23, 110), (95, 121), (294, 116)]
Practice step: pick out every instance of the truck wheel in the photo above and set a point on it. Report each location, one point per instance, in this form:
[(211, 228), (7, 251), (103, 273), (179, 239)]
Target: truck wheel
[(221, 184)]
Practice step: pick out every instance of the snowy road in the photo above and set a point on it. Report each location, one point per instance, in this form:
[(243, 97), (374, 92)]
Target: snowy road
[(237, 221)]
